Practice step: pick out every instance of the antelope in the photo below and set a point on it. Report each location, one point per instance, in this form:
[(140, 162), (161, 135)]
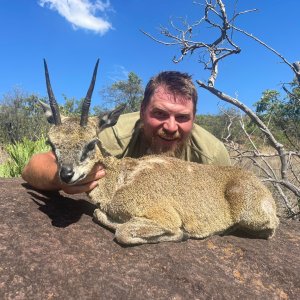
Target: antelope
[(156, 198)]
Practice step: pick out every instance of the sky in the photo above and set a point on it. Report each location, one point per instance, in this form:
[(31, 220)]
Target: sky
[(72, 34)]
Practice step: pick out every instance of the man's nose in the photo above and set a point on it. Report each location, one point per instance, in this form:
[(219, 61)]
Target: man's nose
[(170, 125)]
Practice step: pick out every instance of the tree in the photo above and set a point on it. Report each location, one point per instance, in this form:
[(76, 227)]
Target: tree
[(73, 107), (225, 125), (20, 117), (212, 53), (282, 114), (128, 91)]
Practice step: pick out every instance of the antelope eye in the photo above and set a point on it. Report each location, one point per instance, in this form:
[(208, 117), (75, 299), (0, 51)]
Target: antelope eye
[(49, 143), (53, 149), (91, 146)]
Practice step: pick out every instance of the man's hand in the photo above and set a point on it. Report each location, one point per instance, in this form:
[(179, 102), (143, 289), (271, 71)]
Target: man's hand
[(87, 184), (41, 172)]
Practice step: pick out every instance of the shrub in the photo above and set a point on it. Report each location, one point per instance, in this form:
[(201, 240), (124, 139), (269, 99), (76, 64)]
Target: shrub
[(19, 155)]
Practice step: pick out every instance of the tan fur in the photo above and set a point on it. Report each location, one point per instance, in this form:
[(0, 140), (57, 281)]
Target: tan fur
[(157, 198)]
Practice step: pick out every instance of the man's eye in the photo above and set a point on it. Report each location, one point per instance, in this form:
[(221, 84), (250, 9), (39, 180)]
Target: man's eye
[(159, 114), (182, 118)]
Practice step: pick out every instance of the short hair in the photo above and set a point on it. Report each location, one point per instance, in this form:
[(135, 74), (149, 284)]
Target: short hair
[(176, 82)]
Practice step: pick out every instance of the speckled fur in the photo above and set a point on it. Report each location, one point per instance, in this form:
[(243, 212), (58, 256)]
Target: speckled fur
[(158, 198)]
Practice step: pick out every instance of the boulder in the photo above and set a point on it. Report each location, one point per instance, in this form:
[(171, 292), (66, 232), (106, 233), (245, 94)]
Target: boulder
[(51, 249)]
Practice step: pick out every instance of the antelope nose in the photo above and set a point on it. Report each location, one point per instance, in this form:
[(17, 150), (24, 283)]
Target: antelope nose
[(66, 173)]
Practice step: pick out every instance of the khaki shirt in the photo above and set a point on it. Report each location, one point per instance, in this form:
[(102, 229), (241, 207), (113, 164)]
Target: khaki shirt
[(123, 140)]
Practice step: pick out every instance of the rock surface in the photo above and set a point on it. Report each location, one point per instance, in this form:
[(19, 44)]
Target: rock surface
[(51, 249)]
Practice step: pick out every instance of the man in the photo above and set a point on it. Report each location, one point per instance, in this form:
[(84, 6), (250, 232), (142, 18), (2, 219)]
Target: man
[(164, 125)]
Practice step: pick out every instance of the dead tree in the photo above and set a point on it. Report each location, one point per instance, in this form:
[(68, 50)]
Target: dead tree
[(223, 46)]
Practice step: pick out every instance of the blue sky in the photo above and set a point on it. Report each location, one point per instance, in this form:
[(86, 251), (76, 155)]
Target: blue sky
[(72, 34)]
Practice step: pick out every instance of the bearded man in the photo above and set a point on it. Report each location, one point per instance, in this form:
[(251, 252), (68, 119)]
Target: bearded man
[(164, 125)]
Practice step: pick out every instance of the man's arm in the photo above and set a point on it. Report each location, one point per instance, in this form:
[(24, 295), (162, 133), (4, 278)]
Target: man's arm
[(41, 173)]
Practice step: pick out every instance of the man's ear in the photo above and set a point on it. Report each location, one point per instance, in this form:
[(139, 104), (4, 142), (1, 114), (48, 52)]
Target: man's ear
[(111, 118), (143, 110), (47, 111)]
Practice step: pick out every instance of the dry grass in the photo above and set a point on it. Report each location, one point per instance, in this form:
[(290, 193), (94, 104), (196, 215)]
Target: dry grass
[(273, 164), (3, 155)]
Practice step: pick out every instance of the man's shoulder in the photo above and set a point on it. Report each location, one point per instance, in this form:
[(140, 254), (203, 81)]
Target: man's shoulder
[(211, 149), (203, 135), (115, 139), (126, 124)]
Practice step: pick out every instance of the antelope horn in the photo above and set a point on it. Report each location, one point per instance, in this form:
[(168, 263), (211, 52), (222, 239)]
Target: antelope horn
[(87, 101), (53, 103)]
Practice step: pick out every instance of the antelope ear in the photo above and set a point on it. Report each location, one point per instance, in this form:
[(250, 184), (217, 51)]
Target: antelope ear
[(111, 118), (47, 111)]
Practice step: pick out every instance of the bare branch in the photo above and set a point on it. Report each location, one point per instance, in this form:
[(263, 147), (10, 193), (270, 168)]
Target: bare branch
[(244, 108), (242, 13), (266, 46), (216, 50), (159, 41), (278, 146), (296, 66)]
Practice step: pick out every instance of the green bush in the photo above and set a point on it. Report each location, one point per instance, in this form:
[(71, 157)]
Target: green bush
[(19, 155), (21, 116)]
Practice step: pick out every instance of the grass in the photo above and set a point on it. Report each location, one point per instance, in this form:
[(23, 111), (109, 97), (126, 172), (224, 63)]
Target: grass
[(19, 155), (274, 163)]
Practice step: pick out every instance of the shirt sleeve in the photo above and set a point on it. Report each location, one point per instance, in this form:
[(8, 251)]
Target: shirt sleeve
[(221, 155), (210, 150)]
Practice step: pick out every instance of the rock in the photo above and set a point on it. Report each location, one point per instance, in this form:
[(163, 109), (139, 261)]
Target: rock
[(51, 249)]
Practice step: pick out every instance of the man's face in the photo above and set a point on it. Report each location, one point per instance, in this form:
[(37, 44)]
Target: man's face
[(168, 120)]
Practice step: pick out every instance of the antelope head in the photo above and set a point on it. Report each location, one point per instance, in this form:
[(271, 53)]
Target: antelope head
[(74, 140)]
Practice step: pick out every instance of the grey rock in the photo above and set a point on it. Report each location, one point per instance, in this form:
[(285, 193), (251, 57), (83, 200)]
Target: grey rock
[(50, 248)]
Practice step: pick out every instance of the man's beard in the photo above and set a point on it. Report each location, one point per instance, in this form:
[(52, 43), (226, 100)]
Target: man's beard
[(159, 144)]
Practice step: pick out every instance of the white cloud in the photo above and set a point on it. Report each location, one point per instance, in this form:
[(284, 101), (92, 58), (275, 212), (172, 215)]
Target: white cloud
[(81, 13), (118, 73)]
